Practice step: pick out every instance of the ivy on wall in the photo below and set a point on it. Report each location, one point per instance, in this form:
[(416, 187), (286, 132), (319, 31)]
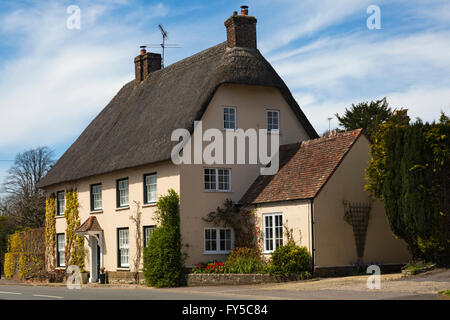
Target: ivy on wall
[(74, 250), (50, 232)]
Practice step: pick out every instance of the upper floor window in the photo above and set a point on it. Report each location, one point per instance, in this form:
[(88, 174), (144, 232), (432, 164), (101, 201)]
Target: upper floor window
[(60, 203), (122, 192), (150, 188), (273, 120), (229, 118), (96, 197), (148, 230), (60, 250), (218, 240), (215, 179), (273, 231)]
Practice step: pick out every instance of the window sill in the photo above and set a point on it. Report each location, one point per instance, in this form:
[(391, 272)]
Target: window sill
[(151, 204), (59, 216), (217, 191), (216, 252), (123, 208), (96, 211), (123, 269)]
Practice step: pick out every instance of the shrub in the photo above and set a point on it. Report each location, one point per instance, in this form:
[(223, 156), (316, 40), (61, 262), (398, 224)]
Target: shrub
[(289, 260), (244, 260), (163, 263)]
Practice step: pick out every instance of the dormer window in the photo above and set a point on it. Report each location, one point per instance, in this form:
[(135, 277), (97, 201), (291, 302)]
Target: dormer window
[(273, 120), (229, 118)]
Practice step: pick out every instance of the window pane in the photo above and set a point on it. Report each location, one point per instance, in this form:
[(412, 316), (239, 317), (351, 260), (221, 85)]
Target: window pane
[(224, 179), (61, 202), (123, 192), (229, 118), (210, 240), (209, 176), (150, 186), (97, 197), (225, 239), (273, 122), (60, 248), (123, 248)]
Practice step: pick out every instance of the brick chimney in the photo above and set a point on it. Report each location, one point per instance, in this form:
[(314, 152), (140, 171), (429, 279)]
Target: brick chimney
[(145, 63), (241, 30)]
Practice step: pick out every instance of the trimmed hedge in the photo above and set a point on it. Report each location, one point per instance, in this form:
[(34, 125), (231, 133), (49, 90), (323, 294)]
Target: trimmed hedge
[(163, 263)]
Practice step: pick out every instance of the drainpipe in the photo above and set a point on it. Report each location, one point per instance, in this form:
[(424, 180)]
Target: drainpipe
[(313, 249)]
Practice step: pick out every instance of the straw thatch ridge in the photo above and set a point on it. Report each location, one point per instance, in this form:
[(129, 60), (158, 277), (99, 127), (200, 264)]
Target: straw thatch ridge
[(134, 129)]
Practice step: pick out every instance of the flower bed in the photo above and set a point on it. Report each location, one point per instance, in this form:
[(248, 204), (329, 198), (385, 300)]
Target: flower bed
[(215, 279)]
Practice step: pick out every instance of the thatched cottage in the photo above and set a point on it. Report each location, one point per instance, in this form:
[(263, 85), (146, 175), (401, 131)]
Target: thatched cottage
[(124, 157)]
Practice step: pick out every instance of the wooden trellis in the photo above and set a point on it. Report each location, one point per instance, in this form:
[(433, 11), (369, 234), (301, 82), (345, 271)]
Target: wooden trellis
[(357, 214)]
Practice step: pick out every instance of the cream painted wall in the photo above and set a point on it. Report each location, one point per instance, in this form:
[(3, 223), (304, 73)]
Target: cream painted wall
[(296, 216), (112, 218), (251, 103), (334, 242)]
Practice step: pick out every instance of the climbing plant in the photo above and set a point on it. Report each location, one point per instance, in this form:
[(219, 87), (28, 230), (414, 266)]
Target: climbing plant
[(74, 250), (241, 219), (50, 232)]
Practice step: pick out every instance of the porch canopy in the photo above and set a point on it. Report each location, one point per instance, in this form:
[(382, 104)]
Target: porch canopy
[(90, 227)]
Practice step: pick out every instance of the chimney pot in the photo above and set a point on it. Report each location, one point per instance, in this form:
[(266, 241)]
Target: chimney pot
[(244, 10)]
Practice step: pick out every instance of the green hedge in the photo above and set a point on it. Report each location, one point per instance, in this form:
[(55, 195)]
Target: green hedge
[(163, 263)]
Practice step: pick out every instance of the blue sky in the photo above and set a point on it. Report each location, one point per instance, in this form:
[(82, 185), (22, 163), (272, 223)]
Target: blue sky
[(54, 81)]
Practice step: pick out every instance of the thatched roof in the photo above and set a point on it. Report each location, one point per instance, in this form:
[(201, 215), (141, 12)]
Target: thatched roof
[(304, 169), (134, 129)]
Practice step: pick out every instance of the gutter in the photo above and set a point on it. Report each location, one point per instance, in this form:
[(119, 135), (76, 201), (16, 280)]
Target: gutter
[(313, 249)]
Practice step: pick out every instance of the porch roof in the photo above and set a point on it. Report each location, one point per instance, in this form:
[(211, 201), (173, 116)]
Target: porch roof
[(91, 224)]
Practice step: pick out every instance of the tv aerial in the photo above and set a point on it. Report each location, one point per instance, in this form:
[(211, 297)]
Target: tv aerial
[(163, 45)]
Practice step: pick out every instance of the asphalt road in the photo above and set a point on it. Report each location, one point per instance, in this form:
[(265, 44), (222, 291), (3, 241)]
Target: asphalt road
[(393, 287), (16, 292)]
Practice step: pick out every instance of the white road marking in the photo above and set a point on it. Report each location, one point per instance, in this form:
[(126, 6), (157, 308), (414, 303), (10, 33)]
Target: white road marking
[(45, 296), (5, 292)]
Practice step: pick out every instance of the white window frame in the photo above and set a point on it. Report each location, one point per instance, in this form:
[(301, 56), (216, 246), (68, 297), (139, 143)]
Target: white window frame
[(273, 227), (217, 241), (216, 181), (60, 252), (58, 213), (223, 118), (267, 120), (121, 245), (119, 202), (147, 188), (94, 208)]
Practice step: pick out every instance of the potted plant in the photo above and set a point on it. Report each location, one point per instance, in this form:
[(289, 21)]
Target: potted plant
[(102, 275), (84, 276)]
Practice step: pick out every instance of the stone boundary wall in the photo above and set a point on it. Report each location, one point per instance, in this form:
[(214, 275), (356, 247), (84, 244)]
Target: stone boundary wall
[(215, 279)]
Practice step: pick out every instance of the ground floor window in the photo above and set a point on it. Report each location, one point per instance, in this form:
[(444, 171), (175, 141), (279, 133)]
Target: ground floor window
[(273, 231), (148, 230), (60, 250), (218, 240), (123, 248)]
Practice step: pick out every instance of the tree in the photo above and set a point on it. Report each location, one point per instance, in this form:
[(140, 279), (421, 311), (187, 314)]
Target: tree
[(24, 201), (163, 262), (365, 115), (410, 170)]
